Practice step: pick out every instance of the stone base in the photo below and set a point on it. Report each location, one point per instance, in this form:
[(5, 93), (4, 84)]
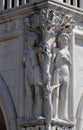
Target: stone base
[(31, 123), (62, 123), (40, 125)]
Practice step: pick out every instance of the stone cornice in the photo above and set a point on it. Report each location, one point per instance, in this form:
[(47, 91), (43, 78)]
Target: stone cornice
[(7, 15), (12, 19), (76, 12)]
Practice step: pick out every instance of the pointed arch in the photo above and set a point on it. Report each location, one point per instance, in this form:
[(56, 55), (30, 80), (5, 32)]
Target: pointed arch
[(79, 122), (7, 106), (2, 121)]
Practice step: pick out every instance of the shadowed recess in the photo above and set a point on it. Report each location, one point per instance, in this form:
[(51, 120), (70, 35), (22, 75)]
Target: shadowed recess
[(2, 121)]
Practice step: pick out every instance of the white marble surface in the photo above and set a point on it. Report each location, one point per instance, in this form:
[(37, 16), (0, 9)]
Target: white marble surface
[(11, 55)]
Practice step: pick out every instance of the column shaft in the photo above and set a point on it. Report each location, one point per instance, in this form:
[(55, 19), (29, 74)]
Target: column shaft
[(68, 1), (81, 4), (9, 3), (75, 3), (61, 0), (2, 4), (23, 1), (16, 3)]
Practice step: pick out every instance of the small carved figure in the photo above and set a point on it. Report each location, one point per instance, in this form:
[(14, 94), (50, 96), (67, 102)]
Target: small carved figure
[(33, 79), (62, 62)]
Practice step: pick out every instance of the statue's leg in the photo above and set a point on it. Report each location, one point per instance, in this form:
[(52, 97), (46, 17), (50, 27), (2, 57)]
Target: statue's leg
[(46, 71), (55, 103), (28, 101), (38, 102), (63, 104), (47, 107), (56, 95)]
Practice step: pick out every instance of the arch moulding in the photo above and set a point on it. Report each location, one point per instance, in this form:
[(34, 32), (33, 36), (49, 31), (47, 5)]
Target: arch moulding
[(7, 106)]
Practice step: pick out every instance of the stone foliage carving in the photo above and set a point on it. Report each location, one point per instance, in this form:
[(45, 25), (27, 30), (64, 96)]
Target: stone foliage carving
[(79, 25), (46, 63), (57, 19), (47, 17)]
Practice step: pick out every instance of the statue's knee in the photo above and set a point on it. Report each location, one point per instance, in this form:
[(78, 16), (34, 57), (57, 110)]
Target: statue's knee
[(57, 93), (37, 92), (66, 79), (63, 96)]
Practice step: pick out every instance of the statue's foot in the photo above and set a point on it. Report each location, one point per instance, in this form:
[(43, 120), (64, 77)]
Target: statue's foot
[(40, 84), (55, 118), (48, 126), (65, 119), (41, 118)]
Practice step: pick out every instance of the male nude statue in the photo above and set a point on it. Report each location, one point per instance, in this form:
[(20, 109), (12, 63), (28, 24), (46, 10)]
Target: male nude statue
[(32, 77)]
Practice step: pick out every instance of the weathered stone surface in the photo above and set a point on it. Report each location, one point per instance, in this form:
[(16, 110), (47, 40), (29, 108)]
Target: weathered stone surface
[(39, 71), (50, 49)]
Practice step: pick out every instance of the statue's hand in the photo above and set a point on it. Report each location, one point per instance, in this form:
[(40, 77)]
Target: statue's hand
[(61, 82)]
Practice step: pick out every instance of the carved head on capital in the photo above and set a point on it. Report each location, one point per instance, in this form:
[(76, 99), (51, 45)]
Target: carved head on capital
[(26, 21)]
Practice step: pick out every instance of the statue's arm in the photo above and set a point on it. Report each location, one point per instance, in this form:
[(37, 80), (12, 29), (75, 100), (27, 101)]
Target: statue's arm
[(69, 58), (54, 53)]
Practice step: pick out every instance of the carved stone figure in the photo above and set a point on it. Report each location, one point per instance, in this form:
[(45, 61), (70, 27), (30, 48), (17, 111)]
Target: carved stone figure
[(62, 63), (33, 79), (46, 64), (48, 23), (47, 57)]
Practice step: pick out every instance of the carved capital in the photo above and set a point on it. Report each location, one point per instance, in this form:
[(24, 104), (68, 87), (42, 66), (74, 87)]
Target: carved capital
[(57, 20), (47, 18)]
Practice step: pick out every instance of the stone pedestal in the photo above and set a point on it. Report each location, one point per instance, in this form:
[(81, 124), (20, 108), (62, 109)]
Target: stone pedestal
[(40, 125)]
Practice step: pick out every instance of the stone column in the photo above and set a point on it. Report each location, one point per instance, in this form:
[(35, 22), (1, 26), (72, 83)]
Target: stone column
[(75, 3), (61, 0), (81, 4), (72, 78), (2, 4), (68, 1), (23, 1), (16, 3), (9, 3)]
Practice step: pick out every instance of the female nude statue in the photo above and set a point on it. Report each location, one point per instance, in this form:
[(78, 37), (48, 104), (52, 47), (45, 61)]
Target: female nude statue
[(62, 62)]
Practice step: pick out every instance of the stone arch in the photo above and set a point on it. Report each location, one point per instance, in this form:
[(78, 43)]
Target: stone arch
[(79, 117), (7, 106)]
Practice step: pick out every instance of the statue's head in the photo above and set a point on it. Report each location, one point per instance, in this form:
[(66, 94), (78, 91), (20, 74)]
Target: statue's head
[(63, 40), (32, 39)]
